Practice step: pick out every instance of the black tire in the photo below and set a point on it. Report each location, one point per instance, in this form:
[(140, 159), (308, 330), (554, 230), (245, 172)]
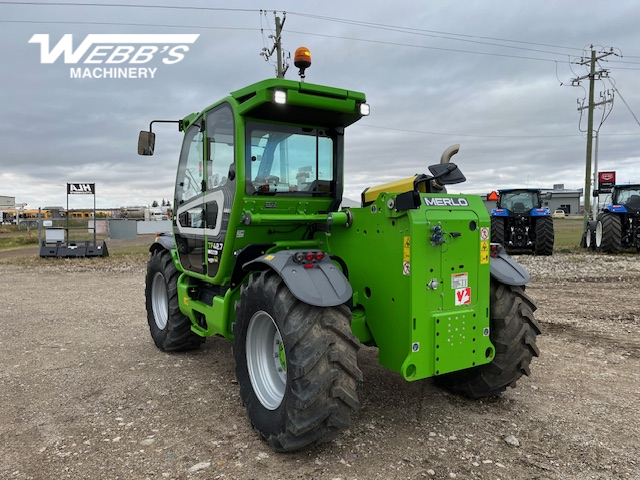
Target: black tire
[(544, 236), (609, 233), (590, 236), (170, 329), (497, 230), (513, 334), (296, 365)]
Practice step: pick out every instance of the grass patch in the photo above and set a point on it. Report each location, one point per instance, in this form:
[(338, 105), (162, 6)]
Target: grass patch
[(568, 233), (135, 250), (17, 241)]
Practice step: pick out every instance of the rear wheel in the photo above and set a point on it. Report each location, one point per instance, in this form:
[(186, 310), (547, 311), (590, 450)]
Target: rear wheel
[(513, 334), (170, 329), (609, 233), (544, 236), (497, 230), (296, 365)]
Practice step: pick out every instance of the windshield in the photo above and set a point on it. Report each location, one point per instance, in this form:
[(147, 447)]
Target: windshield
[(286, 160), (628, 195), (519, 202)]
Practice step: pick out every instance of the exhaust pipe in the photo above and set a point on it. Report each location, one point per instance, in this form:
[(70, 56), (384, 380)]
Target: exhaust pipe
[(449, 152)]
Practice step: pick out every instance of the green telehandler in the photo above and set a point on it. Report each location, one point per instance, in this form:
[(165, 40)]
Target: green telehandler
[(262, 254)]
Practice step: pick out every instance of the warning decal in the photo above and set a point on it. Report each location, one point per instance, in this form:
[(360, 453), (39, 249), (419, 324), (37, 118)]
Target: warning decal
[(463, 296), (484, 252), (406, 249), (459, 280), (406, 268), (484, 233)]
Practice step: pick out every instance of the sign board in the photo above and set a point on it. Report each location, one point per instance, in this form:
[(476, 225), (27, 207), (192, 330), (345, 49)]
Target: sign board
[(606, 180), (81, 188), (558, 186), (53, 235)]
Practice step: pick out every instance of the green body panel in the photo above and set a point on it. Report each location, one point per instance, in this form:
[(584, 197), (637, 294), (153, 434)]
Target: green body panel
[(426, 305), (216, 316)]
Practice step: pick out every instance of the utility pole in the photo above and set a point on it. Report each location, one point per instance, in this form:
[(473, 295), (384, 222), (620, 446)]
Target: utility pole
[(592, 76), (281, 66)]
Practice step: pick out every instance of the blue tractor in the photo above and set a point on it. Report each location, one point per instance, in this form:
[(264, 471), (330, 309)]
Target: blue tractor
[(618, 224), (520, 222)]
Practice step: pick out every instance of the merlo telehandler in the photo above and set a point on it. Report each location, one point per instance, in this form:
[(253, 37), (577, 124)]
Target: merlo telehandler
[(262, 254)]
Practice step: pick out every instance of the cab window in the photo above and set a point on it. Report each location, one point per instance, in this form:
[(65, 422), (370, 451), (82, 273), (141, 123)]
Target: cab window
[(287, 160)]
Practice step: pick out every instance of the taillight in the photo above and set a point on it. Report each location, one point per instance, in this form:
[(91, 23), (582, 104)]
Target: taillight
[(308, 259)]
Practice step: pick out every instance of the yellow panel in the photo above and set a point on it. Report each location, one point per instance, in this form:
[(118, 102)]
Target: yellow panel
[(399, 186)]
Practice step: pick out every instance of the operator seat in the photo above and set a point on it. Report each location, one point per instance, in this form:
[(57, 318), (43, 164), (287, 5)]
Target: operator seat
[(634, 202), (519, 207)]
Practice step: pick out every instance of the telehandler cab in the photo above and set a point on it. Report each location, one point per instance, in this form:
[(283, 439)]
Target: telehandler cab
[(262, 254)]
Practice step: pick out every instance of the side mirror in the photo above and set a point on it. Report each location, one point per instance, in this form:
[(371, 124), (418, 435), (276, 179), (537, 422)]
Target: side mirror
[(146, 143)]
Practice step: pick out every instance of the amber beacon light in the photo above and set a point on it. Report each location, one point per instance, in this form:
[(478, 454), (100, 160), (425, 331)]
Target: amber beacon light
[(302, 60)]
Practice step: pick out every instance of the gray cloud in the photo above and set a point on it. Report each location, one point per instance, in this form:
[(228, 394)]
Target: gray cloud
[(517, 125)]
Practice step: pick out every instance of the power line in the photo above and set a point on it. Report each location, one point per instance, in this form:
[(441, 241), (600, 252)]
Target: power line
[(615, 89), (409, 30), (464, 134), (431, 32), (130, 5), (87, 22), (414, 31), (398, 44), (425, 132)]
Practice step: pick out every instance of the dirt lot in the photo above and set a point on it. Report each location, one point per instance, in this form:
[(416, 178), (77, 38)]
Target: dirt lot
[(84, 393)]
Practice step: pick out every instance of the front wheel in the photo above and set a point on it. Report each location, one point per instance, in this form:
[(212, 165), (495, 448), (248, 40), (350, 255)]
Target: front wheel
[(589, 235), (296, 365), (170, 329), (513, 334)]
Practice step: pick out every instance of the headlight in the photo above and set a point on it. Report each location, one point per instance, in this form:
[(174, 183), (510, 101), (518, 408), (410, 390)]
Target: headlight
[(280, 96)]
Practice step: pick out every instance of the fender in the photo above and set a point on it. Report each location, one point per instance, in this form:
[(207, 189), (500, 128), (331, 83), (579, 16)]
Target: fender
[(322, 285), (616, 208), (164, 240), (506, 270), (540, 212)]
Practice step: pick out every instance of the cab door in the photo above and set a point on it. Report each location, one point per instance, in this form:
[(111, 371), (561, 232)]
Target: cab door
[(189, 221), (220, 181)]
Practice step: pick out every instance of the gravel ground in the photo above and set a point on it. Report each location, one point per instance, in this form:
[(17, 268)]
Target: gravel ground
[(84, 393)]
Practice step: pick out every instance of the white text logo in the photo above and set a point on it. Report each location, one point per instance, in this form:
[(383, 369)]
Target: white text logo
[(116, 49), (446, 202)]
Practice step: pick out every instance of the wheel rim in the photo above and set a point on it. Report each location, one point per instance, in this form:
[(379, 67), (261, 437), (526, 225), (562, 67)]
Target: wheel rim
[(159, 300), (598, 234), (587, 238), (266, 360)]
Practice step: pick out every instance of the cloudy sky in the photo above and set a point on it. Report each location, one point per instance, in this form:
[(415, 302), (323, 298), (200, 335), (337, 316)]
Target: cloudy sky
[(494, 77)]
